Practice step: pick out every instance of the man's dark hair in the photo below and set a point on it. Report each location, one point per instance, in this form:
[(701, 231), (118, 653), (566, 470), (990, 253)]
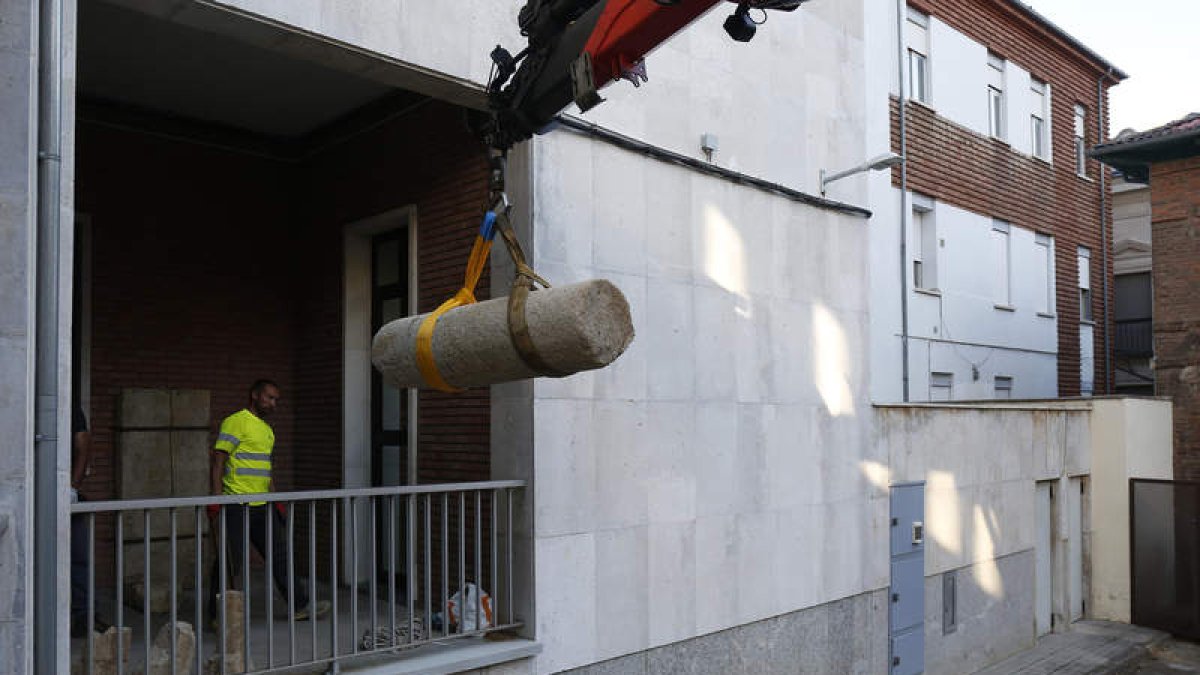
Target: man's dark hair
[(259, 385)]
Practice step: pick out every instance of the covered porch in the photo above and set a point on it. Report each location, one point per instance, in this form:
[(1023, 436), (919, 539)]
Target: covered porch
[(254, 203)]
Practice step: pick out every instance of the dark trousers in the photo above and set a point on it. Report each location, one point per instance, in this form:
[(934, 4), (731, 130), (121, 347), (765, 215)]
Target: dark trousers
[(234, 522), (80, 553)]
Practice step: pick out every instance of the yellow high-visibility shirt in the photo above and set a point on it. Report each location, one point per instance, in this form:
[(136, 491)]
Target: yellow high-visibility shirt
[(248, 441)]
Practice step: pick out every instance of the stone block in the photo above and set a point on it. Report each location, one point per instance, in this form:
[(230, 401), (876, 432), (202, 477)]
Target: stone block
[(160, 571), (145, 470), (190, 408), (190, 463), (185, 649), (139, 408), (104, 658)]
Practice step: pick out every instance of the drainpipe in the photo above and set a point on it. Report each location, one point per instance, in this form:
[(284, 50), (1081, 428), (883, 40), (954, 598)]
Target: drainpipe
[(47, 447), (901, 7), (1104, 232)]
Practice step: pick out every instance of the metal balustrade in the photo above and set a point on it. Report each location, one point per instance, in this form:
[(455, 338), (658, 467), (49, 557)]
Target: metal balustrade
[(402, 553)]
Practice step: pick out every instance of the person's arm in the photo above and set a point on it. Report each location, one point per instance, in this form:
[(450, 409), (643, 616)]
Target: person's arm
[(217, 470), (81, 456)]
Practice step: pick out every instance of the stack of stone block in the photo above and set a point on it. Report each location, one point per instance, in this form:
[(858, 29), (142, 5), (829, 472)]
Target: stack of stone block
[(162, 441)]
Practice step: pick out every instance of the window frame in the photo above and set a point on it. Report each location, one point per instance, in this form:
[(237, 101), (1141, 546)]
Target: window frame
[(1080, 132), (1083, 259), (941, 380), (924, 244), (1002, 383), (997, 103), (916, 41), (1004, 228), (1038, 117), (1047, 242)]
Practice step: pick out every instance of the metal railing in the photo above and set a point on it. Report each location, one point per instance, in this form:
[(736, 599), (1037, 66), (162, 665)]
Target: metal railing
[(437, 541), (1135, 337)]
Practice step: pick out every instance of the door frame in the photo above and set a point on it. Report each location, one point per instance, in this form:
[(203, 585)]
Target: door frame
[(356, 341)]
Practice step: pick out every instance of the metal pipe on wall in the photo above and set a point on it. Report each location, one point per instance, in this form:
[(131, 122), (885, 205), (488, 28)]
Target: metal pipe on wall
[(1104, 232), (901, 10), (49, 452)]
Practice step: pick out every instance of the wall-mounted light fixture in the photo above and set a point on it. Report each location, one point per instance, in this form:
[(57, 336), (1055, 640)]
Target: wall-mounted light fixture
[(884, 161)]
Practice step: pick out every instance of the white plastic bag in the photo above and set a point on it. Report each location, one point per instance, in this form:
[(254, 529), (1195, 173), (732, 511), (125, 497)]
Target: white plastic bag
[(468, 605)]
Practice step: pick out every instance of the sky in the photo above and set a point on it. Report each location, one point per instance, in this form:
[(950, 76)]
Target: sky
[(1156, 43)]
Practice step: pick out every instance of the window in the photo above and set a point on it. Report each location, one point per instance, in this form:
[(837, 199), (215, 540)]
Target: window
[(1085, 284), (995, 96), (1039, 132), (1132, 303), (1002, 268), (924, 246), (1043, 274), (1080, 140), (1003, 386), (941, 386), (917, 40)]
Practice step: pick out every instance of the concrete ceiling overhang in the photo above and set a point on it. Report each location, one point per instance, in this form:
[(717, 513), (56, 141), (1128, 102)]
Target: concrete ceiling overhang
[(200, 62)]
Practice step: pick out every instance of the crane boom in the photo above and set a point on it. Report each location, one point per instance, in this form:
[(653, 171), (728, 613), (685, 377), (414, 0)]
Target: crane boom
[(577, 47)]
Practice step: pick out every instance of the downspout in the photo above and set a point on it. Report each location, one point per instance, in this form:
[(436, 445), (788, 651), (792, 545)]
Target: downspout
[(901, 7), (1104, 231), (47, 447)]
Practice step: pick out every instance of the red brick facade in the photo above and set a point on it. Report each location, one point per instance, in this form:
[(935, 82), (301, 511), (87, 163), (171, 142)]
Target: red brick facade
[(955, 165), (1175, 195)]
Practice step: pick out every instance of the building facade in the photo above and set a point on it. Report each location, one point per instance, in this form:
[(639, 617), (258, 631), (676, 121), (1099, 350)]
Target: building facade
[(250, 187), (1166, 156), (1003, 290)]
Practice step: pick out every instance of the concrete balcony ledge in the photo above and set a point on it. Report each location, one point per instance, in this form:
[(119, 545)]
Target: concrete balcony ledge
[(455, 656)]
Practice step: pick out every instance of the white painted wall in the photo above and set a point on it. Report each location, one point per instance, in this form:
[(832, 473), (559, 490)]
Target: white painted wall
[(961, 330), (958, 72), (960, 326), (1132, 440)]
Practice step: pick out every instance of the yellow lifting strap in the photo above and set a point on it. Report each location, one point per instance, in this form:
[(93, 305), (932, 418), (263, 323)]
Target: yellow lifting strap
[(464, 296), (524, 282)]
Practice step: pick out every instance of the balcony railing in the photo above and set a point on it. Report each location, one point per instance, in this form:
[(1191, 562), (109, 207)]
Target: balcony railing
[(392, 569), (1135, 337)]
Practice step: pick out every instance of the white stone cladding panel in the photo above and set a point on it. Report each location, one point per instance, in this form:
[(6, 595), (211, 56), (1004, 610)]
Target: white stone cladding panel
[(727, 444)]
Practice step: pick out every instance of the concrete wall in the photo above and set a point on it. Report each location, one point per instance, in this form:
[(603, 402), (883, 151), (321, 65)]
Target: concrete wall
[(1132, 439), (980, 466), (17, 213)]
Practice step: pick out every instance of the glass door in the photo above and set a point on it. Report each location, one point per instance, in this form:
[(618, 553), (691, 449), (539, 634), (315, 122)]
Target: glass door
[(389, 301)]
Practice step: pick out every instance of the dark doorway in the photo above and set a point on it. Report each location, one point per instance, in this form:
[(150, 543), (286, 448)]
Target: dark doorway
[(1165, 555)]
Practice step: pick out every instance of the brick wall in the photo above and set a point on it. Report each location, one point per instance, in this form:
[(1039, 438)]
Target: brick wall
[(184, 293), (214, 267), (958, 166), (427, 159), (1175, 195)]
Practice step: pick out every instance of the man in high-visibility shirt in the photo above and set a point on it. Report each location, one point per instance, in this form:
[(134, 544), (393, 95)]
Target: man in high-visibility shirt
[(241, 465)]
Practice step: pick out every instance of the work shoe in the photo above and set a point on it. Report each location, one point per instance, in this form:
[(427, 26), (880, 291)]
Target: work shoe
[(316, 610)]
